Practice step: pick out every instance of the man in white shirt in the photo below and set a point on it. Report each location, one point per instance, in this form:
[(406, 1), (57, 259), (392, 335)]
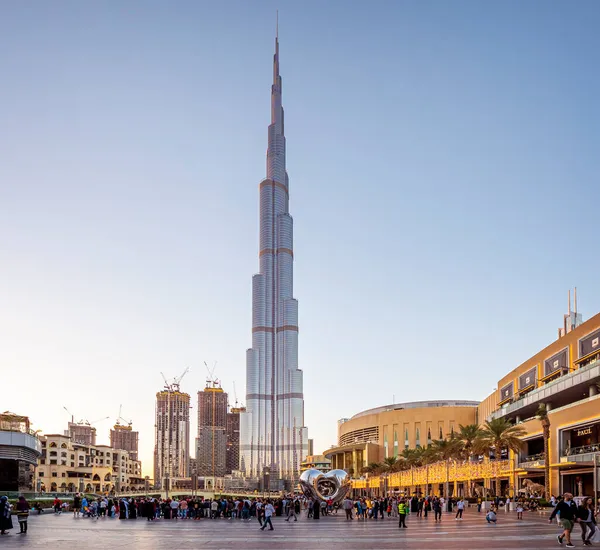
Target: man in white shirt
[(174, 509), (460, 508), (269, 511)]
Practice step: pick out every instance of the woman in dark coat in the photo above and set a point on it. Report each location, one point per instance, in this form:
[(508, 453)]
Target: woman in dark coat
[(316, 509), (149, 509), (122, 509), (5, 516), (132, 509)]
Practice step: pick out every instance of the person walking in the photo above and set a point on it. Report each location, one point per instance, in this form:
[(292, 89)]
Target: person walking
[(587, 520), (22, 514), (437, 509), (568, 516), (402, 511), (347, 505), (316, 509), (520, 509), (5, 516), (293, 509), (375, 509), (76, 505), (460, 508), (420, 506), (269, 511)]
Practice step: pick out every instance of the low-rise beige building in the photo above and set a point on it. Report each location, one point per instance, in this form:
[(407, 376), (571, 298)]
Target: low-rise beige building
[(564, 377), (375, 434), (68, 467), (318, 462)]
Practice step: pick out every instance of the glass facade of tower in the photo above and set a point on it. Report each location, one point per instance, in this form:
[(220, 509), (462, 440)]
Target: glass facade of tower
[(272, 432)]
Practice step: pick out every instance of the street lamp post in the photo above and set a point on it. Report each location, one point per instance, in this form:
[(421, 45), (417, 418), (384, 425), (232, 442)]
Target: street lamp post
[(167, 484), (146, 484), (266, 480)]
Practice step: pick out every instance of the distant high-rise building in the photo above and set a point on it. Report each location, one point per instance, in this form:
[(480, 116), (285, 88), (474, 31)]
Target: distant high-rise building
[(232, 459), (81, 433), (125, 438), (272, 432), (211, 442), (311, 447), (171, 450)]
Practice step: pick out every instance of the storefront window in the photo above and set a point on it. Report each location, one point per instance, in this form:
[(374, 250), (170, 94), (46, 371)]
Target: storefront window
[(583, 439)]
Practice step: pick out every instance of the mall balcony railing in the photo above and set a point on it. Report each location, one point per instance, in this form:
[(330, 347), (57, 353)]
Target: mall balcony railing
[(584, 376), (533, 461), (585, 453)]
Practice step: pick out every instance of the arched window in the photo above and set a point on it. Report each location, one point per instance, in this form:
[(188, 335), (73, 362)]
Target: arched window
[(96, 477), (63, 446), (107, 477), (52, 444)]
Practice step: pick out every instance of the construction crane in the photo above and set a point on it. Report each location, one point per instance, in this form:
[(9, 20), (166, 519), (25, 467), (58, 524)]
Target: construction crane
[(238, 405), (211, 381), (174, 386), (120, 417), (72, 415), (94, 421)]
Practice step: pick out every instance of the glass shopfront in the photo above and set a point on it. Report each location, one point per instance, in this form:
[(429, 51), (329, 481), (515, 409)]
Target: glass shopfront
[(583, 439)]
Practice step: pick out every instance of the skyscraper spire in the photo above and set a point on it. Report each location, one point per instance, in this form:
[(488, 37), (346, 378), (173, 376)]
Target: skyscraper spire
[(272, 432)]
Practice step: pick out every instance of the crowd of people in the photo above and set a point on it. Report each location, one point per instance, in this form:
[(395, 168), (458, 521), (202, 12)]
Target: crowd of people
[(564, 509)]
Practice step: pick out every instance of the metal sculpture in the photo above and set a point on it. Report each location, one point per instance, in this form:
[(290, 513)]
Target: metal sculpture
[(332, 485)]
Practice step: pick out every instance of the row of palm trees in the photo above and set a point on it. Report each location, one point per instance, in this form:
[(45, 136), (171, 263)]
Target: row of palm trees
[(492, 439)]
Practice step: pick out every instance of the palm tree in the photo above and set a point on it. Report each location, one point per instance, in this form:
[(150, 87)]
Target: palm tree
[(468, 436), (411, 457), (446, 450), (373, 468), (542, 415), (390, 464), (498, 434)]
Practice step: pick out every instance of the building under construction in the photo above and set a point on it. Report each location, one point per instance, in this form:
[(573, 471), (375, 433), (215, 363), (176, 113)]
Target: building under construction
[(125, 438), (232, 453), (81, 433), (171, 449), (211, 442)]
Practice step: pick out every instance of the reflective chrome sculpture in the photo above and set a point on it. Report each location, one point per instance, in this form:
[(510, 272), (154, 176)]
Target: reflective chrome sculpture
[(324, 486)]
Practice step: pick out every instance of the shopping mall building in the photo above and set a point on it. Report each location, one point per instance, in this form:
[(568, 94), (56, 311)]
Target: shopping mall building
[(565, 376)]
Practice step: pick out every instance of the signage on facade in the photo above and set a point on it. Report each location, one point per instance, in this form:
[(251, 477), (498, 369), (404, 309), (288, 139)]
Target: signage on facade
[(584, 431)]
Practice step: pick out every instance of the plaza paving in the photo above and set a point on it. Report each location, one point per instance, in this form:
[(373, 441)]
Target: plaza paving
[(57, 532)]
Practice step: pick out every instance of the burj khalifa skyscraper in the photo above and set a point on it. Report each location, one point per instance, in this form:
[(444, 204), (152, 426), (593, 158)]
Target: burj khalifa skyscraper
[(273, 437)]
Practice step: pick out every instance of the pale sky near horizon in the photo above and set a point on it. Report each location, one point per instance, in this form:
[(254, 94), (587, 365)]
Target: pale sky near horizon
[(443, 163)]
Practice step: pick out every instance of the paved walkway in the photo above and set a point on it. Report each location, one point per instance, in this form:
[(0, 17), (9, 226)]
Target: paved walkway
[(55, 532)]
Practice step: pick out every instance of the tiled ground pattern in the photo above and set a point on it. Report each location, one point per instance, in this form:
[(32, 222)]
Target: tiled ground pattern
[(57, 532)]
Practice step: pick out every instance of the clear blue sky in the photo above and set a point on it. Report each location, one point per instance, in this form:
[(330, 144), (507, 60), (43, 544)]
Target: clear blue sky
[(443, 161)]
